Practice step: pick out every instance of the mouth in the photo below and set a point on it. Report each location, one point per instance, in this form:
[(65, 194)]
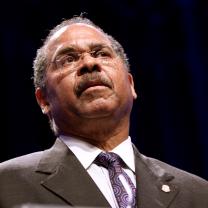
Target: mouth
[(93, 84)]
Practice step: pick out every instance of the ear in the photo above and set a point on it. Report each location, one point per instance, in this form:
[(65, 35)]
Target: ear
[(131, 80), (42, 100)]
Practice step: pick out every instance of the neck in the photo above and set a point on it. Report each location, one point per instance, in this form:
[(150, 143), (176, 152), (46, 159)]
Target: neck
[(105, 135)]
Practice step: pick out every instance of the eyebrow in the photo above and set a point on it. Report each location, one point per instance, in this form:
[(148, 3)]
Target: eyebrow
[(100, 46), (74, 48)]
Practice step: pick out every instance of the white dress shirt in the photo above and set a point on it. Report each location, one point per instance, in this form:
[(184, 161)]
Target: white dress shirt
[(86, 154)]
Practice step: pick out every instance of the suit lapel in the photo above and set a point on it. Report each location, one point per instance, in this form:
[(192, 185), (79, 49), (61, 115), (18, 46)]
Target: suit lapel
[(154, 186), (68, 179)]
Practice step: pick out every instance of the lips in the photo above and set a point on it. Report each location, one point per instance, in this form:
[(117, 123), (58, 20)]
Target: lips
[(88, 82), (93, 84)]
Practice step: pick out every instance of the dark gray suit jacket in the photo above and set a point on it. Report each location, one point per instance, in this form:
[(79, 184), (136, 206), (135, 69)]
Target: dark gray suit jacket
[(55, 176)]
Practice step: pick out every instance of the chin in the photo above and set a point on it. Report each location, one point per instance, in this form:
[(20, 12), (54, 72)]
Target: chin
[(98, 110)]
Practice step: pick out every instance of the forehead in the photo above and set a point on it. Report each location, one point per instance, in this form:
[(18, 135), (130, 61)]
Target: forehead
[(78, 34)]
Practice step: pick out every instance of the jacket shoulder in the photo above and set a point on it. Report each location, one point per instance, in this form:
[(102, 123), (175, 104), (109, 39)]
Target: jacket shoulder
[(188, 180), (176, 171), (29, 161)]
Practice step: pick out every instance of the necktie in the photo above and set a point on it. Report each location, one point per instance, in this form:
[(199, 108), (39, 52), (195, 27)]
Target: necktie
[(113, 163)]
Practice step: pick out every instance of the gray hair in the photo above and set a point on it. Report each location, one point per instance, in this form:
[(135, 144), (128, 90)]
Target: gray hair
[(40, 63)]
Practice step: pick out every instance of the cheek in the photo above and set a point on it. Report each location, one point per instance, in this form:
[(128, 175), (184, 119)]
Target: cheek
[(66, 88), (123, 88), (60, 86), (120, 81)]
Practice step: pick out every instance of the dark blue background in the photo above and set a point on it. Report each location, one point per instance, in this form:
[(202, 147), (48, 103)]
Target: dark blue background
[(166, 42)]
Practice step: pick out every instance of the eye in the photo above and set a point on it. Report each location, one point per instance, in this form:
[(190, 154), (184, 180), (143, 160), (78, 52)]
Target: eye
[(101, 53), (66, 60)]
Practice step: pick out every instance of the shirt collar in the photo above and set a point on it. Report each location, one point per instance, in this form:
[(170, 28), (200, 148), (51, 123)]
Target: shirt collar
[(86, 153), (126, 152)]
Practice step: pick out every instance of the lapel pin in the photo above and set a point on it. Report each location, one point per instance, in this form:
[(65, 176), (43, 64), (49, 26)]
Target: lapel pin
[(165, 188)]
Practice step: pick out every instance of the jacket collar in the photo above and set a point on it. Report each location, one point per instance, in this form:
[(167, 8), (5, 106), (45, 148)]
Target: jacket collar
[(67, 178), (155, 187)]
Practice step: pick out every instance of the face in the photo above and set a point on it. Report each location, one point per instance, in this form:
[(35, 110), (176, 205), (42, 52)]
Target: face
[(85, 78)]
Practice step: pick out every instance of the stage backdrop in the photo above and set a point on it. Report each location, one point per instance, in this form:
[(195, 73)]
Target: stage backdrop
[(166, 42)]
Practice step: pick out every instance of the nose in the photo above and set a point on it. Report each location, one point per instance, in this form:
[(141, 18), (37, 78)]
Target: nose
[(88, 64)]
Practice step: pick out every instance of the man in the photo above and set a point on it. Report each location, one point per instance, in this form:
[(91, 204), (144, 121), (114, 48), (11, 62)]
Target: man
[(83, 84)]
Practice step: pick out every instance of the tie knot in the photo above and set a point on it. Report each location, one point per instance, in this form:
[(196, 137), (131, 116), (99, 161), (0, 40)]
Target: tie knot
[(108, 159)]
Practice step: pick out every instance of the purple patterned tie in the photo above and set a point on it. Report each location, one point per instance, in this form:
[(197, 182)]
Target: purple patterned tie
[(113, 163)]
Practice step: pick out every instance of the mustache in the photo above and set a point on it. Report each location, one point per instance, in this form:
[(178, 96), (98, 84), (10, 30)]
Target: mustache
[(92, 79)]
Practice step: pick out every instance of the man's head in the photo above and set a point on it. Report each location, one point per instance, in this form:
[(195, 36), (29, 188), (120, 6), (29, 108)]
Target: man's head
[(82, 79), (41, 61)]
